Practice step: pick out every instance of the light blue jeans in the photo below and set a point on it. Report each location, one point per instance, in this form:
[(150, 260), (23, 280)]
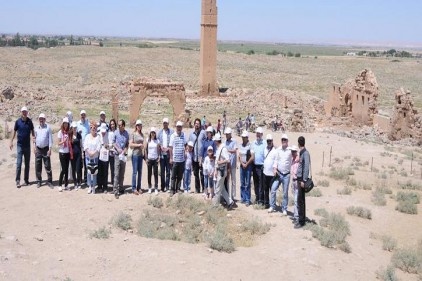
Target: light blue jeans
[(285, 181), (186, 179), (137, 161), (91, 179), (245, 184), (295, 193)]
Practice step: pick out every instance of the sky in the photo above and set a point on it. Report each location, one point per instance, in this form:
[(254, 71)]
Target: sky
[(368, 22)]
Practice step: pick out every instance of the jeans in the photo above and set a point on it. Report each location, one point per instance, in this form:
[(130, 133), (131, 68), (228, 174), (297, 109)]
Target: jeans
[(153, 169), (208, 182), (76, 168), (137, 161), (284, 180), (258, 180), (41, 154), (186, 179), (245, 184), (165, 172), (177, 175), (119, 174), (295, 194), (91, 179), (64, 173), (26, 153)]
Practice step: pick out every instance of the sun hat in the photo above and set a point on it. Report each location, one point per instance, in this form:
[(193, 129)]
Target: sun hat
[(210, 148), (217, 137), (65, 120), (165, 120), (179, 123), (74, 124), (259, 130), (102, 112), (42, 115), (138, 122), (153, 129), (269, 137), (24, 108), (245, 134), (284, 136), (293, 148), (228, 130), (83, 112), (190, 143), (209, 129)]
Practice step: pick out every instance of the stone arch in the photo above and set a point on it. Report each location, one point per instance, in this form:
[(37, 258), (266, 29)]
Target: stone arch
[(144, 87)]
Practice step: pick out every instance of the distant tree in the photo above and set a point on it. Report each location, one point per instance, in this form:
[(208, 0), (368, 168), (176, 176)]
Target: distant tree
[(101, 44), (251, 52), (33, 43), (72, 41), (290, 54), (391, 52), (297, 55), (53, 43)]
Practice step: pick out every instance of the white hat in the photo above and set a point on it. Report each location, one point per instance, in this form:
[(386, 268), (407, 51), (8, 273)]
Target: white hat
[(153, 129), (284, 136), (269, 137), (69, 112), (210, 148), (245, 134), (42, 115), (228, 130), (210, 129), (103, 125), (179, 123), (65, 120), (190, 143), (102, 112), (165, 120), (217, 137), (83, 112), (138, 122), (294, 148), (103, 130), (74, 124), (24, 108), (259, 130)]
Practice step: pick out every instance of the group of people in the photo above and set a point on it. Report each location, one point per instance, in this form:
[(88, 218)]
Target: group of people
[(94, 148)]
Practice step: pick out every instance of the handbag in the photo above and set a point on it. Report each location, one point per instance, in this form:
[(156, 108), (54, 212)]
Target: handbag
[(104, 154), (309, 183)]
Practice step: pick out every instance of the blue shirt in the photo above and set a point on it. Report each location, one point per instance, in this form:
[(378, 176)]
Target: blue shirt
[(83, 129), (43, 136), (205, 144), (258, 148), (23, 129), (197, 143), (121, 139)]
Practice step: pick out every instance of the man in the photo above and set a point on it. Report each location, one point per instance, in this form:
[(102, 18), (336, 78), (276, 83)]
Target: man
[(83, 129), (164, 138), (246, 162), (102, 122), (121, 144), (224, 121), (42, 150), (222, 159), (248, 121), (177, 157), (24, 129), (269, 158), (257, 149), (196, 137), (302, 177), (282, 166), (231, 146)]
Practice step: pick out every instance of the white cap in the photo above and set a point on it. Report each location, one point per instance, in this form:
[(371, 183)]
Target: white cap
[(74, 124), (153, 129), (103, 125), (284, 136), (259, 130), (228, 130), (210, 129), (217, 137), (83, 112), (103, 130), (293, 148), (24, 108), (69, 112), (65, 120), (190, 143), (210, 148), (42, 115), (102, 112), (138, 122), (269, 137), (179, 123), (165, 120), (245, 134)]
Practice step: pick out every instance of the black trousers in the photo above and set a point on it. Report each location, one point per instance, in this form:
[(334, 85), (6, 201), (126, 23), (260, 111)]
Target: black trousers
[(199, 176), (76, 168), (111, 164), (40, 156), (268, 180), (102, 174), (301, 204), (153, 169), (165, 172), (84, 165), (258, 181), (177, 175), (64, 173)]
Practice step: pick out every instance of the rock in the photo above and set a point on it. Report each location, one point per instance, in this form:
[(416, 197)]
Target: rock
[(210, 250), (125, 239), (39, 238), (201, 213), (8, 93), (163, 224), (60, 259), (130, 230), (178, 212), (229, 215)]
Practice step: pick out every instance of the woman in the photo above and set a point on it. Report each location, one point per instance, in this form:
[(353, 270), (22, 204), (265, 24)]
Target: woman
[(137, 144), (76, 161), (103, 158), (92, 146), (112, 127), (65, 152), (152, 155)]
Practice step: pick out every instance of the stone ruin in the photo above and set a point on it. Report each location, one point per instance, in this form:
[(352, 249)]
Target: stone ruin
[(405, 122), (356, 99), (143, 87)]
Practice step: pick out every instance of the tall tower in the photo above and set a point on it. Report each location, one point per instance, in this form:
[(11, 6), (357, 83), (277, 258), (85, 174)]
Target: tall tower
[(208, 51)]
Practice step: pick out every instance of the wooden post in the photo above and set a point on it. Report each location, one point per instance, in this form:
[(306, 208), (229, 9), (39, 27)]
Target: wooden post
[(323, 159), (411, 165), (331, 151), (372, 163)]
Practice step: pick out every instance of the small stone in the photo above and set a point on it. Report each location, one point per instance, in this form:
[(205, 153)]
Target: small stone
[(60, 259), (163, 224), (39, 238), (130, 230), (229, 215), (125, 239), (201, 213), (210, 250), (178, 212)]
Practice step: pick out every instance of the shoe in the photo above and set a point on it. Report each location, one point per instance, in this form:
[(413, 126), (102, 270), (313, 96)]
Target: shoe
[(66, 188), (271, 210), (89, 190), (298, 225), (93, 190), (27, 183), (18, 184), (247, 204), (292, 218), (38, 185), (186, 191), (116, 195), (156, 191), (136, 192), (149, 190), (60, 189), (168, 190), (50, 185), (284, 213), (171, 193), (231, 206)]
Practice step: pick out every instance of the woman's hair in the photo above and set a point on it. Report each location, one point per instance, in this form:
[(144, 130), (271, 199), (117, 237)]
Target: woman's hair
[(150, 136), (62, 127), (93, 125), (115, 124)]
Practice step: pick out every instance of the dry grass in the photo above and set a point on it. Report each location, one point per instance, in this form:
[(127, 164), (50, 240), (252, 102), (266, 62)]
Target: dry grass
[(360, 212), (122, 221), (101, 233)]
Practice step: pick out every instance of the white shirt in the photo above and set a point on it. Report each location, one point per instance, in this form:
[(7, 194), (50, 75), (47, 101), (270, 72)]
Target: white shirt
[(222, 154), (92, 144), (62, 148), (269, 160), (165, 141), (283, 160), (152, 149), (208, 166)]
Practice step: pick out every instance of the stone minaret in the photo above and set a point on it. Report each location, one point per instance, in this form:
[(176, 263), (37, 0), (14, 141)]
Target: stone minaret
[(208, 63)]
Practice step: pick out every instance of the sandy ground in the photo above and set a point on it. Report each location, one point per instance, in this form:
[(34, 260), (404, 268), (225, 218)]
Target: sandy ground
[(64, 221)]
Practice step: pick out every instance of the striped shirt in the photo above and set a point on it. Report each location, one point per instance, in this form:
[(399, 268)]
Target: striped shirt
[(177, 144)]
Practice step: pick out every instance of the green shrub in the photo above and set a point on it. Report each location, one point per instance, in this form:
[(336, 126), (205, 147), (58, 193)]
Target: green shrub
[(360, 212), (345, 191), (155, 201), (323, 183), (407, 207), (316, 192), (407, 260), (255, 227), (122, 220), (378, 198), (101, 233), (410, 186), (411, 197), (220, 241), (387, 274), (341, 173), (321, 212), (388, 243)]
